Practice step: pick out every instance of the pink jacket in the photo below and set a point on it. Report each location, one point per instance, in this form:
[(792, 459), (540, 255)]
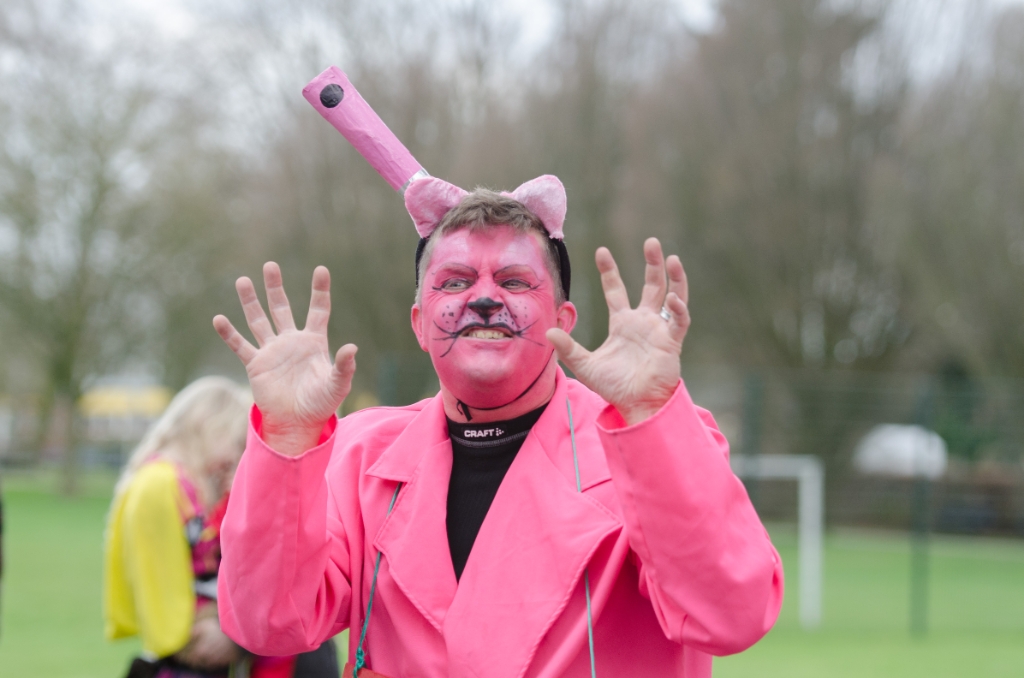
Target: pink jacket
[(680, 567)]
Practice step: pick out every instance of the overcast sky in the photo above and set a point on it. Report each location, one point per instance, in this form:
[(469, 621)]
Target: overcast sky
[(933, 42)]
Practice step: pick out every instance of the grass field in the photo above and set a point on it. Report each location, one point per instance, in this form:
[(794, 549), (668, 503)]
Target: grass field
[(51, 625), (976, 616)]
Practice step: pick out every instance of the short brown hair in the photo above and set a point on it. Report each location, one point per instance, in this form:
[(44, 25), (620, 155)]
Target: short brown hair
[(484, 208)]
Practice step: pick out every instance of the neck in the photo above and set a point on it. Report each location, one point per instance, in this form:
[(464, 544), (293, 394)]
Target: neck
[(538, 394)]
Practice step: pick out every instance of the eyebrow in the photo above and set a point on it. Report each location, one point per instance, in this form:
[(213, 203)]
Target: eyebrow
[(456, 268), (515, 268)]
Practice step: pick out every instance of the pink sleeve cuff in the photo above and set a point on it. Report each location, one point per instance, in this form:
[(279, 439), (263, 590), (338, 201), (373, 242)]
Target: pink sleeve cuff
[(611, 421), (326, 438)]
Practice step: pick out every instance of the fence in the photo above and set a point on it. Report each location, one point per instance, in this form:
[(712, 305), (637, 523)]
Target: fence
[(815, 413), (825, 414)]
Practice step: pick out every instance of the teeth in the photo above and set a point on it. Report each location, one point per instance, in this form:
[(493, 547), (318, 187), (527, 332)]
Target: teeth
[(485, 334)]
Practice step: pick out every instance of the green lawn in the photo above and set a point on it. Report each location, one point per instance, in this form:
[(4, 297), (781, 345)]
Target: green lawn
[(53, 548), (51, 623), (976, 618)]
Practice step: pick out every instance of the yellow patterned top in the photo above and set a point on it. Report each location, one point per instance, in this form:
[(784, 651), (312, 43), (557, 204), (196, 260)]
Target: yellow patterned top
[(148, 587)]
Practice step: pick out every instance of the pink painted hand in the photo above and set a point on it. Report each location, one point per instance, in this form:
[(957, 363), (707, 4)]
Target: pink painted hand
[(636, 369), (294, 382)]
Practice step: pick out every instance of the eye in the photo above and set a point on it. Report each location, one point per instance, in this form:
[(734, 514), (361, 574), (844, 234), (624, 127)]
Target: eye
[(515, 285), (455, 284)]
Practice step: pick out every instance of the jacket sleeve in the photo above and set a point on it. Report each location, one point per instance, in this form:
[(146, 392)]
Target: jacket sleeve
[(284, 576), (706, 561), (157, 560)]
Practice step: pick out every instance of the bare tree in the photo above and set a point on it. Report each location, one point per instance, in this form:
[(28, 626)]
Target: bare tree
[(574, 125), (963, 247), (765, 141), (91, 135)]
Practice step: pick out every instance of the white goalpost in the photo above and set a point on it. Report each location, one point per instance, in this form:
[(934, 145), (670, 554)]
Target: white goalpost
[(810, 476)]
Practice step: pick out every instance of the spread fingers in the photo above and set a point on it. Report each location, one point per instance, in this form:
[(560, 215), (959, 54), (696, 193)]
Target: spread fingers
[(680, 313), (319, 301), (254, 315), (277, 300), (677, 279), (614, 289), (234, 339), (654, 276)]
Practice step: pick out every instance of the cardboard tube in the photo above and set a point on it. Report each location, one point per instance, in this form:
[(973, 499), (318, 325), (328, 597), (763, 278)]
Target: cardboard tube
[(337, 100)]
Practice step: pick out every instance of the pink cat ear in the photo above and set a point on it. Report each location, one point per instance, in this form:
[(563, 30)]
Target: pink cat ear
[(545, 197), (428, 200)]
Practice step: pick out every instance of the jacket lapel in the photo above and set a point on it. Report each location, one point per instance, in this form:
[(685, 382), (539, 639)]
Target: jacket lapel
[(533, 546), (413, 538)]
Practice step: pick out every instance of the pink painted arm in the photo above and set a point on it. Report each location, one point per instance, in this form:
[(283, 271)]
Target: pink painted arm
[(334, 97), (283, 582), (707, 564)]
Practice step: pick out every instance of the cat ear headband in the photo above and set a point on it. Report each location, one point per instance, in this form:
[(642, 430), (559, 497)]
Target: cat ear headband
[(427, 198)]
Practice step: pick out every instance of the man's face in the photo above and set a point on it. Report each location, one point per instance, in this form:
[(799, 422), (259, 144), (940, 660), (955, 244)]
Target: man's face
[(487, 299)]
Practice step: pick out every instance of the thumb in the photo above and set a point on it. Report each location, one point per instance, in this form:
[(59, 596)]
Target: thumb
[(569, 352), (344, 369)]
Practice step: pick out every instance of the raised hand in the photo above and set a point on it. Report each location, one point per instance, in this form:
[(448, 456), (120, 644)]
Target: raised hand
[(294, 382), (208, 647), (636, 369)]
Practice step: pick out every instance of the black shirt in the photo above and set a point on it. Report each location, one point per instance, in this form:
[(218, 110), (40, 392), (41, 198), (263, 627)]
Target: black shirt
[(481, 455)]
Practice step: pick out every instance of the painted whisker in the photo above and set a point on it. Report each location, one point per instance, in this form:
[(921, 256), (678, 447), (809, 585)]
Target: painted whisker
[(453, 336)]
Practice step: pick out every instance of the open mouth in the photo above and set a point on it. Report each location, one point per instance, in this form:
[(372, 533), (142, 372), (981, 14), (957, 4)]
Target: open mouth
[(490, 332)]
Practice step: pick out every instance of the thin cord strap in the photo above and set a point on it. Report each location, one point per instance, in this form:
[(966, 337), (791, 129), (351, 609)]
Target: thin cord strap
[(586, 573), (463, 408), (590, 625), (360, 655)]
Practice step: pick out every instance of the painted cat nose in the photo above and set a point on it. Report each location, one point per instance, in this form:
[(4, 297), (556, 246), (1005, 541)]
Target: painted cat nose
[(485, 307)]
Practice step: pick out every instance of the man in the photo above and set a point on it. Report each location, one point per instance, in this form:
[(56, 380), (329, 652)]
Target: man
[(519, 523)]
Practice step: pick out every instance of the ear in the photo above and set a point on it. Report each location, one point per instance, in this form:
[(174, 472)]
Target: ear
[(428, 200), (416, 318), (566, 317), (545, 197)]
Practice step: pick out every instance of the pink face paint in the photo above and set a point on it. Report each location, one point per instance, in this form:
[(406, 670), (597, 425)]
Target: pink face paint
[(487, 301), (336, 99)]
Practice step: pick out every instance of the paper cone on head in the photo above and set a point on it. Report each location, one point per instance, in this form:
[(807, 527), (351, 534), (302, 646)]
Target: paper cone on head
[(337, 100), (427, 198)]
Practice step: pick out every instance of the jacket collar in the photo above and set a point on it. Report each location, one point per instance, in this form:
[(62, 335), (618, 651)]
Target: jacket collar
[(430, 427), (401, 459), (533, 546)]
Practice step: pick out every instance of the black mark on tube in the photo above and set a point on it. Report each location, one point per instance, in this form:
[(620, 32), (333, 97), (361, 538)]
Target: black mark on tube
[(331, 95)]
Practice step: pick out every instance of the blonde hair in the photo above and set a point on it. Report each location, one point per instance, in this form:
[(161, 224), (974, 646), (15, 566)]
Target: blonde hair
[(205, 419)]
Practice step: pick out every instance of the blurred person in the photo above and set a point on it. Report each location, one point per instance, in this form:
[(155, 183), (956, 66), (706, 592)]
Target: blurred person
[(163, 540), (519, 522)]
